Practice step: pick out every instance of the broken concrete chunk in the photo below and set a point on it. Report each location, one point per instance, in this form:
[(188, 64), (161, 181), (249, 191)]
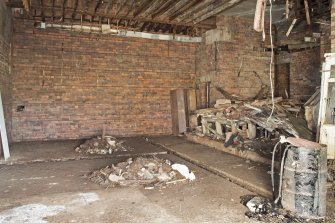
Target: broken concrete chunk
[(105, 145), (115, 178), (140, 171)]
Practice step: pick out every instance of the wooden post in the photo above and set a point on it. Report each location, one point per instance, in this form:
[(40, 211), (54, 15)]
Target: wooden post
[(3, 132)]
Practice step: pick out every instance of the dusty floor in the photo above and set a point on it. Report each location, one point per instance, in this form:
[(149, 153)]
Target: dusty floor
[(60, 189), (50, 191)]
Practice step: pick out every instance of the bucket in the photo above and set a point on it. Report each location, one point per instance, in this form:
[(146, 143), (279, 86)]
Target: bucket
[(304, 182)]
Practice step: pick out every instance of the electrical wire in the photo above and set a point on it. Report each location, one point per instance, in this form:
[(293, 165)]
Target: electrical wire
[(272, 170), (271, 63), (281, 174)]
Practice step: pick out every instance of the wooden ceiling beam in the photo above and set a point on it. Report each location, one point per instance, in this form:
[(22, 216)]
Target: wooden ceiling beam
[(162, 9), (193, 10), (108, 6), (182, 10), (143, 6), (213, 10), (153, 7), (175, 7), (122, 3), (130, 8)]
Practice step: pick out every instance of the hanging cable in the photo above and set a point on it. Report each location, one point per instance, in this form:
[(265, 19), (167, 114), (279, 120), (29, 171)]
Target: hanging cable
[(281, 174), (271, 63), (272, 170)]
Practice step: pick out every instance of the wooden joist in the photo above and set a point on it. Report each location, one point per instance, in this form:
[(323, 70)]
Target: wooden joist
[(220, 8)]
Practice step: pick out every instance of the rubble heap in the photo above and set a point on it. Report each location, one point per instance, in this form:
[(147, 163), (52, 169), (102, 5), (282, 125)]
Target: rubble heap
[(147, 171), (249, 119), (102, 145), (263, 209)]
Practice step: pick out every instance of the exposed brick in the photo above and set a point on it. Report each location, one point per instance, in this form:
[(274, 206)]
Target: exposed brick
[(73, 83)]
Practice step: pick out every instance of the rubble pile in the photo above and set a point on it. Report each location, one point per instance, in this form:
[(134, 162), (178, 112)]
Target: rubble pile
[(263, 209), (249, 119), (148, 171), (102, 145)]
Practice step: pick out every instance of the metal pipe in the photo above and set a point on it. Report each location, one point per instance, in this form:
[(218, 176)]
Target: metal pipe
[(208, 94)]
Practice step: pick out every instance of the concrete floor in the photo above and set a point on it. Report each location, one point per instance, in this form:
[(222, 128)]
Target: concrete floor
[(59, 192), (63, 150), (35, 188)]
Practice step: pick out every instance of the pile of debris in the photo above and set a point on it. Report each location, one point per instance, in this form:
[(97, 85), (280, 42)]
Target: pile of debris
[(248, 119), (263, 209), (148, 171), (102, 145)]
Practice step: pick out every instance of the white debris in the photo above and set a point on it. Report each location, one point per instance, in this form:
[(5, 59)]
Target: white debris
[(88, 198), (256, 204), (115, 178), (30, 213), (183, 170)]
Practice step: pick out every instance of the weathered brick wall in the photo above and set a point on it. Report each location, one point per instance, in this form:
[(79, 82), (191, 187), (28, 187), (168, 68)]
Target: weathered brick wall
[(5, 76), (332, 33), (71, 84), (305, 73), (220, 61)]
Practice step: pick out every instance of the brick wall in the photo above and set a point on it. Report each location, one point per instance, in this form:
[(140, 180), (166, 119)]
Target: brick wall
[(305, 73), (220, 61), (72, 84), (5, 76)]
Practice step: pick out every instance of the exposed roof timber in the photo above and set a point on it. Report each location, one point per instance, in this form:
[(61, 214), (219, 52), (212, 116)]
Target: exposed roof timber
[(121, 4), (182, 9), (98, 13), (162, 9), (144, 5), (194, 9), (153, 7), (175, 7), (109, 4), (130, 7), (213, 10)]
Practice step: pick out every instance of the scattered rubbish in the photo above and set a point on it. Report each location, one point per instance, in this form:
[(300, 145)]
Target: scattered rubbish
[(183, 170), (263, 209), (148, 171), (102, 145)]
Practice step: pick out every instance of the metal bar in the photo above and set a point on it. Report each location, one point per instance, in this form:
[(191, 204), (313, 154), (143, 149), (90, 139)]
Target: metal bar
[(3, 132)]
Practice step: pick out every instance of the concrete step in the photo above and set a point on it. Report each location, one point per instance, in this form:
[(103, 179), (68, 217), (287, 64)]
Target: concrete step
[(249, 174)]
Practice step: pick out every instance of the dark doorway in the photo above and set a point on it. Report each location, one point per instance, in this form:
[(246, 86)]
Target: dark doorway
[(282, 80)]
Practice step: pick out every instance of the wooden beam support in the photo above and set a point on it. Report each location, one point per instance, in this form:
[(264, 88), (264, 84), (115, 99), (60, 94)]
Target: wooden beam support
[(53, 10), (153, 7), (122, 3), (141, 19), (175, 7), (163, 8), (215, 10), (144, 5), (183, 9), (108, 6), (193, 10), (130, 8)]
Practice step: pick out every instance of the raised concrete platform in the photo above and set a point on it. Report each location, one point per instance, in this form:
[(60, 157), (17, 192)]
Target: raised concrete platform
[(63, 150), (249, 174)]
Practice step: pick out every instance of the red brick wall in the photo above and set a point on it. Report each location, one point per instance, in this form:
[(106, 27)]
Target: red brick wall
[(305, 73), (5, 76), (221, 61), (71, 84)]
